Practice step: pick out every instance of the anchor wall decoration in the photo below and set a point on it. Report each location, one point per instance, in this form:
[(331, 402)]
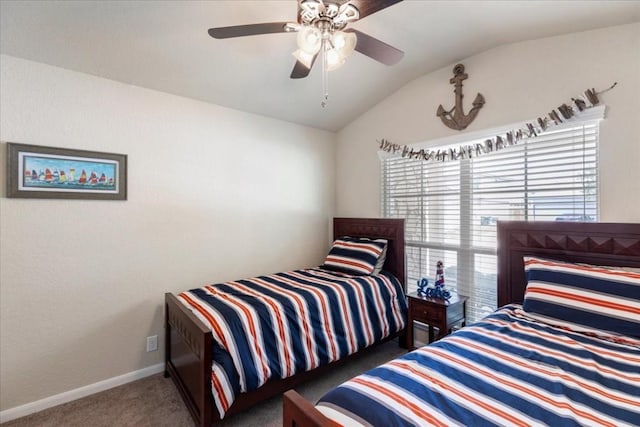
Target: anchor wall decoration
[(455, 118)]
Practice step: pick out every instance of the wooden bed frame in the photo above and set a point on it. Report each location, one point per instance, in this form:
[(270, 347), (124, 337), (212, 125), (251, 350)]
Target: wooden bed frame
[(610, 244), (188, 342)]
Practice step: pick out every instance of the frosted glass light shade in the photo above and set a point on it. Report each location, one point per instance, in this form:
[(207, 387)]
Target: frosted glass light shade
[(344, 43), (334, 59), (309, 39)]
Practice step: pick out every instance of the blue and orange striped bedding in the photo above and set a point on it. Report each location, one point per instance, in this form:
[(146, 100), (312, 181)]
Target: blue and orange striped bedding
[(279, 325), (507, 370), (590, 296)]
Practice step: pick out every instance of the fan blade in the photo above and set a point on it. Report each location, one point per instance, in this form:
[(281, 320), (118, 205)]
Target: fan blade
[(248, 30), (368, 7), (300, 71), (376, 49)]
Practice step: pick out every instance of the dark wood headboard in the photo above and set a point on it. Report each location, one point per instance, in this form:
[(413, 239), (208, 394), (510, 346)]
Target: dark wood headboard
[(391, 229), (598, 243)]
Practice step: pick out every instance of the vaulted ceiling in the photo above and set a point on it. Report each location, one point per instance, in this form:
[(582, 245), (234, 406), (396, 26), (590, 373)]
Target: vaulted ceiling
[(164, 45)]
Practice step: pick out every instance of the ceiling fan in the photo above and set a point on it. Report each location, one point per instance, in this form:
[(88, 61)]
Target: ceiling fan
[(321, 27)]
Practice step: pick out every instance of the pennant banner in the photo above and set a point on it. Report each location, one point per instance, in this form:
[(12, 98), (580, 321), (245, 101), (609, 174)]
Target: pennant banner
[(556, 117)]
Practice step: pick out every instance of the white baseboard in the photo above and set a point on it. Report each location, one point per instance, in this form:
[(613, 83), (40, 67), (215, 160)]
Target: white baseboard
[(68, 396)]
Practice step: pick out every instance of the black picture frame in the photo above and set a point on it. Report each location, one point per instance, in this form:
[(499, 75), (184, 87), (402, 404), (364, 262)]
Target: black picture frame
[(40, 172)]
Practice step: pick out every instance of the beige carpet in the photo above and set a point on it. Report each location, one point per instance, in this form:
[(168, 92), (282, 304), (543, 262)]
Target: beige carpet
[(154, 401)]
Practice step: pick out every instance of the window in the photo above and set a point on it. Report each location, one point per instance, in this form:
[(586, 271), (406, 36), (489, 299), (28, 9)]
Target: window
[(451, 208)]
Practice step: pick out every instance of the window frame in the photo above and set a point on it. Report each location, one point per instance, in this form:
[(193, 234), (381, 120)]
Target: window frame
[(465, 250)]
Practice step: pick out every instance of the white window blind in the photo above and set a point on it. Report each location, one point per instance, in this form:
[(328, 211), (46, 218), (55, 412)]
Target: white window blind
[(451, 208)]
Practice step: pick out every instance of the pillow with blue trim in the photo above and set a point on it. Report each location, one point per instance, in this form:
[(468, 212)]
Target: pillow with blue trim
[(604, 298), (355, 255)]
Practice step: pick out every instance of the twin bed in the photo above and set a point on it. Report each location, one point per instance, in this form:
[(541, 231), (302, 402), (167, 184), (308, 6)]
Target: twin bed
[(220, 340), (566, 353), (570, 355)]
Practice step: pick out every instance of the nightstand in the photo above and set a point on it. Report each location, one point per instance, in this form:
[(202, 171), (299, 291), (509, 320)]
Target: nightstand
[(435, 313)]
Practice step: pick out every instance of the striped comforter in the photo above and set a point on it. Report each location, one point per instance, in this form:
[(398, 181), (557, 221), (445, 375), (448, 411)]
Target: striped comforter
[(279, 325), (507, 370)]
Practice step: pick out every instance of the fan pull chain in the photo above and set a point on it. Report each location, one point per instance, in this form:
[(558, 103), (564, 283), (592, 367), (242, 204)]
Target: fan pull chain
[(325, 74)]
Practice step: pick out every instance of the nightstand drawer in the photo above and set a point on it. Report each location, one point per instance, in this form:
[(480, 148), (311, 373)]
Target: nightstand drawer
[(427, 314)]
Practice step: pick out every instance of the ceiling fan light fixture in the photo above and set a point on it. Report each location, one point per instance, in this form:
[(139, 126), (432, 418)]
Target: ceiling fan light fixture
[(310, 39), (320, 25)]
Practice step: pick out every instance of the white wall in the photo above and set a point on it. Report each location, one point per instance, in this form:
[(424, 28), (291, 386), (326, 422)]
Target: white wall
[(214, 194), (520, 82)]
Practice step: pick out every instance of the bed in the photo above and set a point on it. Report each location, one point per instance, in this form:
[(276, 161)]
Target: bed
[(566, 353), (200, 359)]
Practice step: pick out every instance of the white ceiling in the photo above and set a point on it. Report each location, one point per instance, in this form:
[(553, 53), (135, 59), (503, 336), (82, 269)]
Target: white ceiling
[(164, 45)]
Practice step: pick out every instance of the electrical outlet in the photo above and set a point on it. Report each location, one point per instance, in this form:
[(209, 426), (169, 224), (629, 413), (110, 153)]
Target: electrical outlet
[(152, 343)]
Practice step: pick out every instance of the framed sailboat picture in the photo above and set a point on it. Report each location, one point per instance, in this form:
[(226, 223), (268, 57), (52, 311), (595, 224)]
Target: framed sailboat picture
[(60, 173)]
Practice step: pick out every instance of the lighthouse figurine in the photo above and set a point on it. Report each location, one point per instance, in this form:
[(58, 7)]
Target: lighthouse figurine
[(439, 284), (439, 290)]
